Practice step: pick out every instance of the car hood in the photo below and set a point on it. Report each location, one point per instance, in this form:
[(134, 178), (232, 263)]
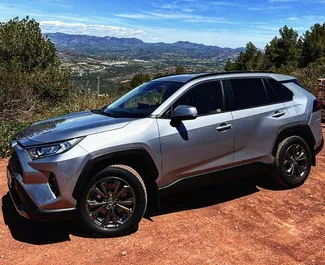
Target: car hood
[(71, 126)]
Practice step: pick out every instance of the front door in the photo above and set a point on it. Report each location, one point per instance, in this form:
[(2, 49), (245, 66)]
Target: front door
[(199, 146)]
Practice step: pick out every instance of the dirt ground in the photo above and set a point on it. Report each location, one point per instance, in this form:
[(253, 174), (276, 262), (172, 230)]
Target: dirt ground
[(247, 221)]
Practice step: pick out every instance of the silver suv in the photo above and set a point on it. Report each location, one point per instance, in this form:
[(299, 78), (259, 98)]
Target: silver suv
[(106, 166)]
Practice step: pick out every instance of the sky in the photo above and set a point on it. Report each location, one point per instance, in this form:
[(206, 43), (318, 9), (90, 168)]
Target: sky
[(223, 23)]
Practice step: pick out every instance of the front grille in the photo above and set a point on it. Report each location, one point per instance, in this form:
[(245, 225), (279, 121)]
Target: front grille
[(14, 164)]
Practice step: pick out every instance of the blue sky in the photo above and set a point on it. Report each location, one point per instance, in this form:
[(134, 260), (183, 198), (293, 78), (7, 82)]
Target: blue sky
[(223, 23)]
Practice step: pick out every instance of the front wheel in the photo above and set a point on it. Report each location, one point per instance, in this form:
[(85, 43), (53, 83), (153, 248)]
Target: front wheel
[(293, 162), (113, 202)]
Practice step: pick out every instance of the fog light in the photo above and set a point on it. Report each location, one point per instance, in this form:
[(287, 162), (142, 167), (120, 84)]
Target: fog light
[(54, 185)]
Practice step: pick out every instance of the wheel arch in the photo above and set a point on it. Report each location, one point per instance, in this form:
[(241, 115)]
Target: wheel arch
[(139, 159), (300, 130)]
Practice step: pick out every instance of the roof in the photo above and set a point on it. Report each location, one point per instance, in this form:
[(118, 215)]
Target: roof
[(185, 78)]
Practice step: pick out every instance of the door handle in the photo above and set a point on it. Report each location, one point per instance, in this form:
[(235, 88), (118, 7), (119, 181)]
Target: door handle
[(278, 114), (224, 127)]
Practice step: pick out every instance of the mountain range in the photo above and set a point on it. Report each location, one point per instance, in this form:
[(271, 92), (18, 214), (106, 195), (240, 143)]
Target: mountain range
[(131, 48)]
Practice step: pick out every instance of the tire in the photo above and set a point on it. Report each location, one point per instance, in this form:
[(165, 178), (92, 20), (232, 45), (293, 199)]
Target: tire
[(101, 212), (293, 162)]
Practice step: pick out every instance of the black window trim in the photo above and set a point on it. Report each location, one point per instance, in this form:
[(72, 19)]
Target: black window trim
[(267, 94), (161, 116)]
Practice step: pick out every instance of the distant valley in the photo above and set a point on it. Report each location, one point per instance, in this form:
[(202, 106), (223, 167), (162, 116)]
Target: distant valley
[(104, 62)]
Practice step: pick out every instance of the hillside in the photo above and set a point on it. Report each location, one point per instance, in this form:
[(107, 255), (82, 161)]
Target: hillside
[(105, 62), (134, 48)]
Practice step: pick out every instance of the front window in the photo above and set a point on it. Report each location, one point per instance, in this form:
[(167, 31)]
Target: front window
[(143, 100)]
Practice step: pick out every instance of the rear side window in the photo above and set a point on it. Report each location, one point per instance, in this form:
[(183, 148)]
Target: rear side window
[(283, 93), (246, 93), (206, 97)]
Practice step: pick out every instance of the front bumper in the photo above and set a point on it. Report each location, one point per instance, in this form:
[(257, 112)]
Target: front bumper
[(27, 208), (30, 186)]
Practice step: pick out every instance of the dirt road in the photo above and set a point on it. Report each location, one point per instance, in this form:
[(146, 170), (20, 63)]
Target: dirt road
[(248, 221)]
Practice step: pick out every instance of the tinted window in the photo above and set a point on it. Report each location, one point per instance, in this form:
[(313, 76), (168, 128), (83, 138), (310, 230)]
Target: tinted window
[(273, 98), (206, 97), (283, 93), (247, 93)]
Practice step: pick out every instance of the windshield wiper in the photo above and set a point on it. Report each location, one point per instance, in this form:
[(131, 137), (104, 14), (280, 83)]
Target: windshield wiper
[(108, 114), (102, 112)]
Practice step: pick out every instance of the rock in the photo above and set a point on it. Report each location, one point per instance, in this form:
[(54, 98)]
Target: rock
[(2, 256), (123, 253)]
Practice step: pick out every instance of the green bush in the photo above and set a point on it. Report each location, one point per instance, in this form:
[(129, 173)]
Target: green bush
[(309, 76), (8, 129), (78, 101)]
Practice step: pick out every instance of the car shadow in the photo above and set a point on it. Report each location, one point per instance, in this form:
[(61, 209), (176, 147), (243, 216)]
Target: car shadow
[(217, 193), (33, 232), (40, 233)]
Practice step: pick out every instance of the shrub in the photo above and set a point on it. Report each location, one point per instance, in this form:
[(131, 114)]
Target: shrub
[(308, 76), (8, 129), (79, 100)]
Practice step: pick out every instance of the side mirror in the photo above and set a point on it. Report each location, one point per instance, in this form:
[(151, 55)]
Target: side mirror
[(184, 112)]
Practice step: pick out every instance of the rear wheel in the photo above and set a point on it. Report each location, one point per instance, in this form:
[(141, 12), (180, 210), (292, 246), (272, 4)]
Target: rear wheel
[(113, 202), (293, 161)]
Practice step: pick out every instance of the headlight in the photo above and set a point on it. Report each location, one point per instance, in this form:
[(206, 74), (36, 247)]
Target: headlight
[(42, 151)]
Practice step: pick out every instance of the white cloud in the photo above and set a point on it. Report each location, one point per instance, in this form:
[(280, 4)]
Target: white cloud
[(267, 8), (93, 29), (62, 24), (223, 3), (278, 7), (190, 10), (292, 18), (185, 17), (157, 39), (269, 28), (133, 16), (256, 8)]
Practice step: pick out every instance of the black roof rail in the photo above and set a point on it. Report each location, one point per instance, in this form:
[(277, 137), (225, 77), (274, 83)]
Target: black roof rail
[(229, 72), (199, 75), (167, 75)]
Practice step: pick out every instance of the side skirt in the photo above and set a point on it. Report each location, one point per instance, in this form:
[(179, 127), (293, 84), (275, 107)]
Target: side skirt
[(188, 183)]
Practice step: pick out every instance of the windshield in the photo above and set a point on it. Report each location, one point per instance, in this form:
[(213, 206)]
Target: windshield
[(143, 100)]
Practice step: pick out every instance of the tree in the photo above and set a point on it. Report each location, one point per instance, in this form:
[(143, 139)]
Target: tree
[(313, 46), (248, 60), (31, 72), (283, 50), (180, 70), (139, 79), (136, 81), (230, 65)]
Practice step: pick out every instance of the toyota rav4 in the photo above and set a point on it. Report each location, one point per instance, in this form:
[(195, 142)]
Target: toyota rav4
[(106, 166)]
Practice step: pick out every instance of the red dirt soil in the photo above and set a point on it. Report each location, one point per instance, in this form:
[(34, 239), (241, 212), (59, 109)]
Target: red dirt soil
[(247, 221)]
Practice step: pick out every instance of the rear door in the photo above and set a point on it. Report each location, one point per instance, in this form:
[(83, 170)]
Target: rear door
[(258, 116)]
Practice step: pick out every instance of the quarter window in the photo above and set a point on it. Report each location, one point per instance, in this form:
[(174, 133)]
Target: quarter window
[(247, 93), (283, 93), (206, 97)]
